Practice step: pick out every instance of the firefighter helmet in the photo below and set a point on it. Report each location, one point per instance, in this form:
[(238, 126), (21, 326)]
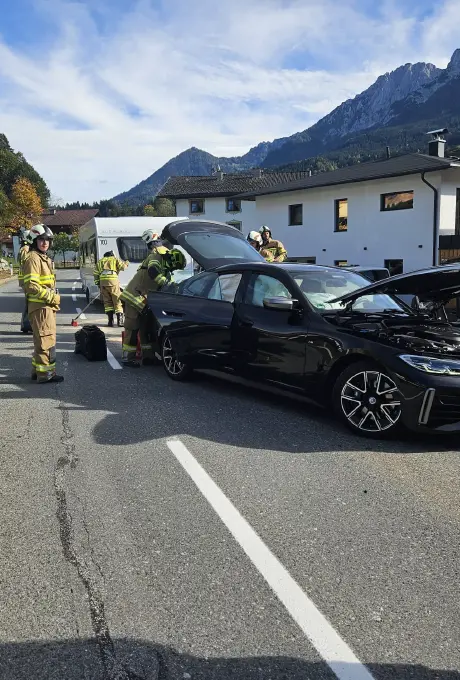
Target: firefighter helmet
[(149, 236), (40, 231), (255, 236), (264, 229), (177, 259)]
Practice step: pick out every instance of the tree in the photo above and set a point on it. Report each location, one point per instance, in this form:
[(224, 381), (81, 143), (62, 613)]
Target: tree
[(164, 207), (26, 207), (62, 243)]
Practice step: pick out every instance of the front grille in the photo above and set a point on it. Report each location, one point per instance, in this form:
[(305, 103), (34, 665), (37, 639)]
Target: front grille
[(445, 409)]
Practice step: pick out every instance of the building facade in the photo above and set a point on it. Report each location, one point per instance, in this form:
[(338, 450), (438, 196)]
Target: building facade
[(393, 221), (213, 197)]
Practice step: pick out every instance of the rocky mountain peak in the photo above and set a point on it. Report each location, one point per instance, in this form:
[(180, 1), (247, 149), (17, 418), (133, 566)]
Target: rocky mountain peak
[(454, 64)]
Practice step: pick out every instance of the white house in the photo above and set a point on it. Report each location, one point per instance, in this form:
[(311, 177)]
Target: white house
[(399, 213), (212, 197)]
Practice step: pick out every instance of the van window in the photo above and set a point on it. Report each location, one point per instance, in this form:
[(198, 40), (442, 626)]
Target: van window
[(133, 249)]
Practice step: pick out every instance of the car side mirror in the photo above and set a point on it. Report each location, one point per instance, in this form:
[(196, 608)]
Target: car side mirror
[(280, 303)]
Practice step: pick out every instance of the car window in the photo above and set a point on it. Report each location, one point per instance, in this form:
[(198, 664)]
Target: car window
[(225, 287), (321, 287), (199, 286), (262, 286)]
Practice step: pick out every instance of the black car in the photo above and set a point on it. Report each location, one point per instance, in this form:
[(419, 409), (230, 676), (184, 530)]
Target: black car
[(321, 331)]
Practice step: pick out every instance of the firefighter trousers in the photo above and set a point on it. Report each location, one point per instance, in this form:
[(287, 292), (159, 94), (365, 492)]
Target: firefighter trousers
[(110, 296), (43, 322), (136, 322)]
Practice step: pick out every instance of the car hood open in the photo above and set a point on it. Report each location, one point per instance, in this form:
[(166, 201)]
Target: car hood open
[(210, 244), (437, 284)]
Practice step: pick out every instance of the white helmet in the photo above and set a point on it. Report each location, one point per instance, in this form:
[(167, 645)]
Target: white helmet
[(40, 231), (25, 234), (255, 236), (149, 236)]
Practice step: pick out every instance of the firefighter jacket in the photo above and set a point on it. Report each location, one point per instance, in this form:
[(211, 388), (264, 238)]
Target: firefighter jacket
[(152, 274), (23, 252), (107, 270), (273, 251), (40, 282)]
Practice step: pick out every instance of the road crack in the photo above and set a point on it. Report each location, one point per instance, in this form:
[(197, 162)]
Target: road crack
[(88, 570)]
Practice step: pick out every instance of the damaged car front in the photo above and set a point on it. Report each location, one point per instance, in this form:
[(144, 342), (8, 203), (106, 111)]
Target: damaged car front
[(416, 344)]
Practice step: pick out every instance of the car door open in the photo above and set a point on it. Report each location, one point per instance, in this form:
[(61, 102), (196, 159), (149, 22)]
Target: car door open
[(198, 321)]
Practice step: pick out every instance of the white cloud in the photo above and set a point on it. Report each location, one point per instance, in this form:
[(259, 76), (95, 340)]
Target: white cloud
[(100, 110)]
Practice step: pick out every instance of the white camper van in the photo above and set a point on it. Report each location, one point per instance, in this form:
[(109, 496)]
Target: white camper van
[(123, 236)]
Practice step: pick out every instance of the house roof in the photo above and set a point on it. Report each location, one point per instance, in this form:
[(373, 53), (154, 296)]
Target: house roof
[(410, 164), (224, 184), (68, 218)]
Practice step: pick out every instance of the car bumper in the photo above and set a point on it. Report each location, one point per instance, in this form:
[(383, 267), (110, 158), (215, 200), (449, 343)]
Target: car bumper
[(430, 403)]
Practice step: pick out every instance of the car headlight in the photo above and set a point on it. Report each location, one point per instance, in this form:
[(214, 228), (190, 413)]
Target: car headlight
[(432, 365)]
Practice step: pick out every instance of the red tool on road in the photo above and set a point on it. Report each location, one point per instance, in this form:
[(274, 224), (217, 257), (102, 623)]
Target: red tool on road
[(74, 321)]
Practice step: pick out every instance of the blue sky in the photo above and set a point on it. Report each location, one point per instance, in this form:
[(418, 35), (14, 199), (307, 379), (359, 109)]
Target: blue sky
[(100, 93)]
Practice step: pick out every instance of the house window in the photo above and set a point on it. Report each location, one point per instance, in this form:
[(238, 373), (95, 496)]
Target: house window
[(233, 205), (341, 214), (457, 213), (196, 206), (295, 215), (235, 223), (401, 200), (394, 266), (341, 263)]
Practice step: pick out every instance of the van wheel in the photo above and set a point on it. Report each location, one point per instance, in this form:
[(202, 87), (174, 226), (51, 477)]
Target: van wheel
[(368, 401), (174, 368)]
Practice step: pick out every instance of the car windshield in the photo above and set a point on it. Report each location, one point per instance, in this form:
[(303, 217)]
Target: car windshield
[(323, 285), (212, 246)]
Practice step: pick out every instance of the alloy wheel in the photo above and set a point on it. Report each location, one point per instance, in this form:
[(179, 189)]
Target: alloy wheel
[(173, 366), (371, 401)]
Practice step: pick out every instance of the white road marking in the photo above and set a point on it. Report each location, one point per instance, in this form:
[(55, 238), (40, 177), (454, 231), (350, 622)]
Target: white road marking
[(74, 288), (83, 316), (335, 652), (113, 362)]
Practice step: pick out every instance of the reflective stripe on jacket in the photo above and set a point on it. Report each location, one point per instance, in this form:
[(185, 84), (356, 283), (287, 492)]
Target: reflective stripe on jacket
[(23, 252), (39, 281), (150, 276), (273, 251), (108, 268)]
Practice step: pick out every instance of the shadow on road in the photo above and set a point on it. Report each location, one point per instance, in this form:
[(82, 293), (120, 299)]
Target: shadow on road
[(145, 405), (137, 660)]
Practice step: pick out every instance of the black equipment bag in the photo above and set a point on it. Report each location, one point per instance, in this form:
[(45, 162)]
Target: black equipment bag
[(25, 322), (90, 341)]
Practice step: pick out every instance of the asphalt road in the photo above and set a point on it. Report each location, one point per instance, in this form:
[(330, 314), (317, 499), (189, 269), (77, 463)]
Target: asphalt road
[(125, 556)]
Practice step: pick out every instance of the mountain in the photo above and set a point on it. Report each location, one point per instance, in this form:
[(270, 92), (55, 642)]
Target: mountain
[(397, 110)]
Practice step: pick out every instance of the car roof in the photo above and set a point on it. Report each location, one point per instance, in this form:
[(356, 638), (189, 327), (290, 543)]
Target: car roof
[(274, 267)]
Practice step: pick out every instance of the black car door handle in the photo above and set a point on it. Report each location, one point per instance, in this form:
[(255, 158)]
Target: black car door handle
[(246, 322), (167, 312)]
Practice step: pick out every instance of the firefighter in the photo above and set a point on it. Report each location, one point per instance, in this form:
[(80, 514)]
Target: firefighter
[(43, 303), (272, 247), (255, 239), (152, 274), (106, 277), (23, 252)]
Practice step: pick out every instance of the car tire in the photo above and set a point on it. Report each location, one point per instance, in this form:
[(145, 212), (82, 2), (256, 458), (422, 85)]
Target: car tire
[(174, 369), (367, 399), (87, 296)]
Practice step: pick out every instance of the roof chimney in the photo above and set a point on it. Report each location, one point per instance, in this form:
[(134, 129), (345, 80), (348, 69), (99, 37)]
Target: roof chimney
[(437, 145)]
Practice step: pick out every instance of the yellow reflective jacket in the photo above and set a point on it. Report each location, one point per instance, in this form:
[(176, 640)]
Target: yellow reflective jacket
[(152, 274), (39, 281), (23, 252), (107, 270), (273, 251)]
